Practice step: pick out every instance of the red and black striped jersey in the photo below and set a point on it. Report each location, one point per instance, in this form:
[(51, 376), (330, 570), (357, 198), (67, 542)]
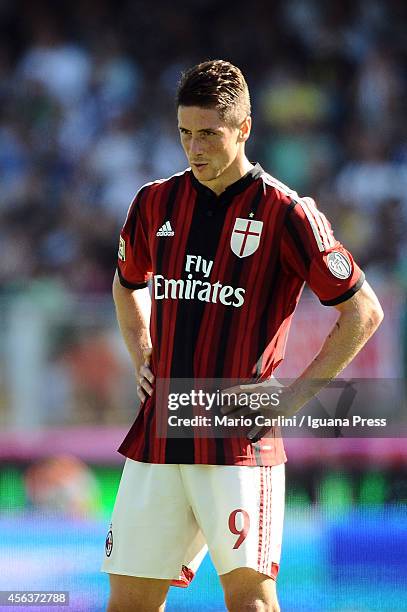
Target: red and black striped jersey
[(227, 273)]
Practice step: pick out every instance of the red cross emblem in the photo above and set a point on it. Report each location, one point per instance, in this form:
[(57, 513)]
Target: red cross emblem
[(245, 237)]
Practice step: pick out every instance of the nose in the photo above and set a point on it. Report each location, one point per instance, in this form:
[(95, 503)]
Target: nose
[(195, 146)]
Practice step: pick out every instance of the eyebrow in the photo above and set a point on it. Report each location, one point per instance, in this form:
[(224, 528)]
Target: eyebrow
[(208, 129)]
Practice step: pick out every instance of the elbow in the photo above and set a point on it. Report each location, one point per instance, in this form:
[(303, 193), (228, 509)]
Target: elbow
[(376, 316), (379, 315), (364, 310)]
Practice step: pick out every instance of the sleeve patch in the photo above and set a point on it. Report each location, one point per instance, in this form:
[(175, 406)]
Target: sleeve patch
[(122, 249), (339, 265)]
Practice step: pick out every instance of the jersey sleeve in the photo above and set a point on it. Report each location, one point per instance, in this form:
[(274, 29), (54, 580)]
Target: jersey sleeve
[(310, 250), (134, 265)]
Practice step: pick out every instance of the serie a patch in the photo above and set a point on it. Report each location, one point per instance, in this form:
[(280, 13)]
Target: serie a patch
[(339, 265), (122, 249)]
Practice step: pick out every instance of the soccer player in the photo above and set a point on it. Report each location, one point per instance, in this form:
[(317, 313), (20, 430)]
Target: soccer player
[(228, 249)]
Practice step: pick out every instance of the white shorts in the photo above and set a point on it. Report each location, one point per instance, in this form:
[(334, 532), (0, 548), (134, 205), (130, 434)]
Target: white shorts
[(166, 517)]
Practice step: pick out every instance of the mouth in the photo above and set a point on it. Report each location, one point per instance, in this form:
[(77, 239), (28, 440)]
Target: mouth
[(199, 165)]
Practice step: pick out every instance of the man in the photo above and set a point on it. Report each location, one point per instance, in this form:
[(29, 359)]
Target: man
[(228, 249)]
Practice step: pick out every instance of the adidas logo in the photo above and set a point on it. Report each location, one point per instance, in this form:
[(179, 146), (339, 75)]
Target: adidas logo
[(165, 230)]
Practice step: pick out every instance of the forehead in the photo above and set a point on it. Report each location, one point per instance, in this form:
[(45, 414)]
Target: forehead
[(197, 118)]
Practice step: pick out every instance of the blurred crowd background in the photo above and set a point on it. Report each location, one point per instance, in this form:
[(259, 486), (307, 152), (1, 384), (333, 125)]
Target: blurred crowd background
[(87, 116)]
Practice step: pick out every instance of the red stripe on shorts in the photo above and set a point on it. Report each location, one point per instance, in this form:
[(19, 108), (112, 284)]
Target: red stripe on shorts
[(268, 566), (261, 509), (266, 534), (185, 578), (268, 524)]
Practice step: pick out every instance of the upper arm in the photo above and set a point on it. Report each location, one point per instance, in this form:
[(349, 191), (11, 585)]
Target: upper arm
[(134, 265), (310, 251), (118, 287), (363, 304), (121, 292), (132, 305)]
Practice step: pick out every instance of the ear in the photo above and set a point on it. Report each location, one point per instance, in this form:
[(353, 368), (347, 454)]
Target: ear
[(244, 130)]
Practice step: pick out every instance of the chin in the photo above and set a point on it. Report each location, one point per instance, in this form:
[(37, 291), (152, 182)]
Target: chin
[(206, 176)]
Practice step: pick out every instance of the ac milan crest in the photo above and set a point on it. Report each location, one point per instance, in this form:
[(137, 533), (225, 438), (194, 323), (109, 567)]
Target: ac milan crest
[(245, 237), (109, 543)]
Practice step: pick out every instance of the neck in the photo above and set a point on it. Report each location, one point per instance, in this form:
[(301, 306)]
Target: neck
[(230, 176)]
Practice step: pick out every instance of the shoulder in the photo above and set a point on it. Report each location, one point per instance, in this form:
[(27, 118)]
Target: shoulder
[(301, 206), (164, 184), (144, 199), (278, 190)]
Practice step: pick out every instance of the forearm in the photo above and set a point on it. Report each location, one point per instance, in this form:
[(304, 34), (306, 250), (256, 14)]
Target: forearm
[(133, 310), (356, 323)]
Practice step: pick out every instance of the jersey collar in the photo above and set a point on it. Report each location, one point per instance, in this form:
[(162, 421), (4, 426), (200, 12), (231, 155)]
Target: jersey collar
[(233, 189)]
